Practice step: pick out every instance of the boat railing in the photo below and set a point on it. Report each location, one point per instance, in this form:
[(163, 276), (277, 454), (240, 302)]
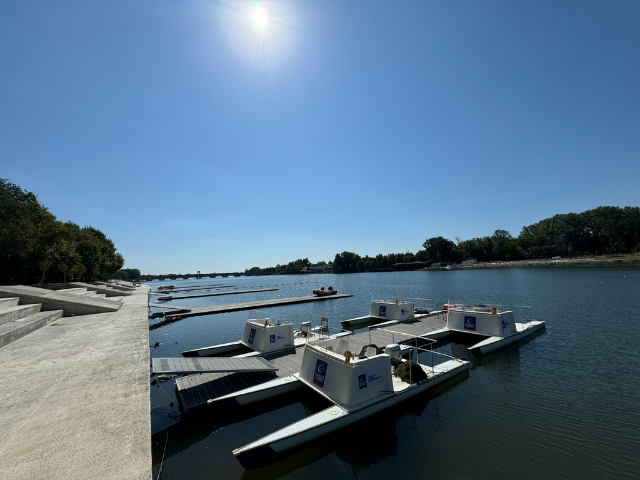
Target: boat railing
[(521, 313), (422, 344)]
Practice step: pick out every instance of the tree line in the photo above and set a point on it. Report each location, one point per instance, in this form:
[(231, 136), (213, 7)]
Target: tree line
[(130, 274), (601, 231), (36, 247), (289, 268)]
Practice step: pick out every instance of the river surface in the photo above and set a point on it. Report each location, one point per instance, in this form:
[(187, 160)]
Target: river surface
[(566, 404)]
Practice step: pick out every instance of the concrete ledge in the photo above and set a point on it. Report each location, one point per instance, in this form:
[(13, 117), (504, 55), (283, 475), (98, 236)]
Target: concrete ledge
[(69, 303), (117, 286), (110, 292), (19, 311), (75, 398), (12, 331)]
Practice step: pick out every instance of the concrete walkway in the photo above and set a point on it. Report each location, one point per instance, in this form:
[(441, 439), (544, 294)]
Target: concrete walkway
[(74, 398)]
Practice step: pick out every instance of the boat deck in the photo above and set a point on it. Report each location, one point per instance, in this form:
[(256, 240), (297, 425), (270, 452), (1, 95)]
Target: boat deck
[(403, 332), (197, 390)]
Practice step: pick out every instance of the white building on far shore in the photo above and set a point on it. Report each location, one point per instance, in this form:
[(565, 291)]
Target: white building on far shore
[(318, 269)]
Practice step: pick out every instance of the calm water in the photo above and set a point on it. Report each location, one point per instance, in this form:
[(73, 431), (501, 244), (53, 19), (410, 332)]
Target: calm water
[(564, 405)]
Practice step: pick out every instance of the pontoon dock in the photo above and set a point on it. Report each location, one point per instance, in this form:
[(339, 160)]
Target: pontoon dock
[(211, 365), (216, 294), (236, 307), (200, 389)]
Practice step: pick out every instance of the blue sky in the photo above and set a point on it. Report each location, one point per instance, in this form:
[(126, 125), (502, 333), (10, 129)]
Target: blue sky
[(198, 141)]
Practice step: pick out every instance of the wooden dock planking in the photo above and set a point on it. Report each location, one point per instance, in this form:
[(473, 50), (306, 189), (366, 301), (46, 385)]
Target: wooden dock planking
[(403, 332), (192, 288), (169, 307), (236, 307), (189, 365), (216, 294), (196, 390)]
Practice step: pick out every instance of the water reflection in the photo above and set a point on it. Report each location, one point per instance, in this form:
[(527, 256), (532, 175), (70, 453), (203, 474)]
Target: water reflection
[(194, 428), (362, 444)]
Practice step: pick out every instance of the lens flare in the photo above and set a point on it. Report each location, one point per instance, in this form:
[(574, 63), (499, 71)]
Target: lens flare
[(259, 17)]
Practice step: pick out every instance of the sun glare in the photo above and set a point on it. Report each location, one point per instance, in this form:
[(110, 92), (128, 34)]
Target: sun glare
[(259, 17)]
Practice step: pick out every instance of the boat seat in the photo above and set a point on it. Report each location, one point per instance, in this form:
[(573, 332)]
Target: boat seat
[(371, 352), (343, 346)]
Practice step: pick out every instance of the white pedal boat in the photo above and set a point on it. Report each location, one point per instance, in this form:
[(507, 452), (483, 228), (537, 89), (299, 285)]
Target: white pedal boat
[(500, 327), (382, 311), (262, 336), (357, 388)]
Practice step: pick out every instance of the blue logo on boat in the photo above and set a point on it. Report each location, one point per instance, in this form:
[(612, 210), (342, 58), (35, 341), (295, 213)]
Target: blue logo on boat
[(362, 381), (252, 335), (402, 312), (319, 373), (382, 311), (272, 339), (469, 323)]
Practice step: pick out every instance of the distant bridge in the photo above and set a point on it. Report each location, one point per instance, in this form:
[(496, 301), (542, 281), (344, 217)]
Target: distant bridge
[(199, 275)]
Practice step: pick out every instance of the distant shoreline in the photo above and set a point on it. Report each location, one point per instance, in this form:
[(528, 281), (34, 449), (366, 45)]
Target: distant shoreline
[(619, 260), (630, 260)]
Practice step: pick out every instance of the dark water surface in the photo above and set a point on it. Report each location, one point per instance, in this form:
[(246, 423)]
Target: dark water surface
[(564, 405)]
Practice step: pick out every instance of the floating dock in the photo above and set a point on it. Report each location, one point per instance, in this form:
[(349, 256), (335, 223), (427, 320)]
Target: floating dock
[(192, 289), (182, 365), (197, 390), (169, 307), (428, 326), (236, 307), (216, 294)]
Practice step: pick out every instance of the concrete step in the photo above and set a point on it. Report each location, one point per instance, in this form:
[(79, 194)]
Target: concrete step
[(103, 295), (18, 311), (12, 331), (76, 291), (89, 293), (110, 292), (9, 302)]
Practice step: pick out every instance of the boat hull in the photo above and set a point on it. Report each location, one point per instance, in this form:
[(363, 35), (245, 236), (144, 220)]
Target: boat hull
[(277, 444), (216, 350), (324, 293), (494, 343), (264, 391)]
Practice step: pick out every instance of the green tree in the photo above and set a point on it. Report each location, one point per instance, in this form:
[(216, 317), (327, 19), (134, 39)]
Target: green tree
[(439, 249)]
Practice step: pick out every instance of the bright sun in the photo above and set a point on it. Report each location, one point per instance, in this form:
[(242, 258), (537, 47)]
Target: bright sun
[(259, 17)]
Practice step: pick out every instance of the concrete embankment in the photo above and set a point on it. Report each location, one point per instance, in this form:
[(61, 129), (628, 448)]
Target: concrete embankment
[(75, 397)]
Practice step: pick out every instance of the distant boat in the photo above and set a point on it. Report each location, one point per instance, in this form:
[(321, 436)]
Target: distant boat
[(323, 293)]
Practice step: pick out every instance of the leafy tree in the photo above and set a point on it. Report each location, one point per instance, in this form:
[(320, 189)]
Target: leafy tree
[(32, 240), (439, 249)]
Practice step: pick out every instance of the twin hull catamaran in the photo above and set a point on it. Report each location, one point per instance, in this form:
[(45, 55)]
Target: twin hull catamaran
[(382, 311), (262, 336), (357, 388), (498, 328)]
